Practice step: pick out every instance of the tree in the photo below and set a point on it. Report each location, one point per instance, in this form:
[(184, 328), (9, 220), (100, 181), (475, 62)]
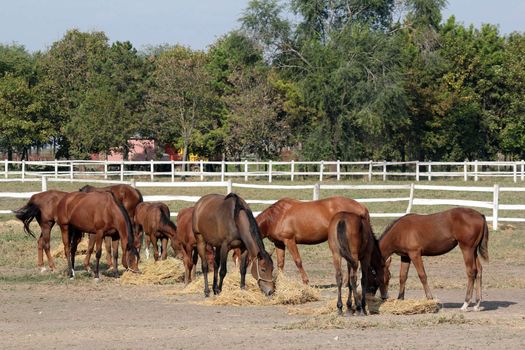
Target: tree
[(179, 97)]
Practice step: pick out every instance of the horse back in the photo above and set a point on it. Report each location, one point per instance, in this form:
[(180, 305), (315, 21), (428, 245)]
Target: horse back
[(88, 212), (47, 202), (213, 218), (184, 226), (308, 222)]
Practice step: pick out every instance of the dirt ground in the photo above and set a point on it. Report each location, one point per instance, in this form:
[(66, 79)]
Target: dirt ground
[(87, 315)]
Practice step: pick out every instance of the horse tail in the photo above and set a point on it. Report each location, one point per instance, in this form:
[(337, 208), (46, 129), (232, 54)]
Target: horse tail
[(344, 246), (26, 214), (165, 220), (129, 226), (254, 229), (483, 246), (195, 256)]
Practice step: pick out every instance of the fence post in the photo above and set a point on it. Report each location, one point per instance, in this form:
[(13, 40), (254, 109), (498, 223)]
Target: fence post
[(321, 170), (270, 171), (370, 171), (476, 170), (201, 166), (411, 198), (417, 170), (338, 170), (317, 191), (495, 207), (71, 170), (56, 168), (151, 170), (44, 183), (133, 183), (429, 177), (105, 170), (23, 170), (172, 171), (245, 170), (222, 170), (465, 171), (292, 169), (122, 171), (515, 172), (384, 170), (229, 186), (522, 170), (6, 168)]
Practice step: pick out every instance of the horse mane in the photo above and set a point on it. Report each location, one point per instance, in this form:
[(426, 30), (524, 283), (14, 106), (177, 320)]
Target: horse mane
[(389, 227), (254, 229), (129, 226)]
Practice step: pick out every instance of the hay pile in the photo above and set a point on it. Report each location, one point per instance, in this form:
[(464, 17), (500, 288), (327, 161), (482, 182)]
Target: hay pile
[(161, 272), (287, 292), (81, 249), (376, 306)]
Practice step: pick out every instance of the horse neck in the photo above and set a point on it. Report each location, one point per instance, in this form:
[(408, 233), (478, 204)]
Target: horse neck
[(386, 243), (246, 236)]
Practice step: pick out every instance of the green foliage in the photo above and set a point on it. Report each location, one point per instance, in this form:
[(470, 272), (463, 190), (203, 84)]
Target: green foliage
[(319, 79)]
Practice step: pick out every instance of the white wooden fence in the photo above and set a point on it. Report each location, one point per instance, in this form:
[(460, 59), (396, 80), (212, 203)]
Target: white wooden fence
[(416, 170), (411, 199)]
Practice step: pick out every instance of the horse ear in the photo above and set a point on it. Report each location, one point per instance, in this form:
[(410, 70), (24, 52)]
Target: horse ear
[(388, 261)]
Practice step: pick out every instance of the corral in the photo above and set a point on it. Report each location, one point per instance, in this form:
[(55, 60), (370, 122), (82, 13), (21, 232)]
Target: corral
[(48, 310)]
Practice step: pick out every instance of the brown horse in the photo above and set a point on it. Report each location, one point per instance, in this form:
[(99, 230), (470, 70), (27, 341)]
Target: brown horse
[(350, 236), (289, 222), (414, 236), (130, 197), (43, 207), (186, 244), (227, 222), (99, 213), (154, 220)]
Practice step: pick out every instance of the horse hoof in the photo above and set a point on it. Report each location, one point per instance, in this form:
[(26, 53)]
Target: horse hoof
[(42, 269), (477, 308), (97, 279)]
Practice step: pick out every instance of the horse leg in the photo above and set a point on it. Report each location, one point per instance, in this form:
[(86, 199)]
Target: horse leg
[(147, 240), (155, 245), (418, 264), (201, 248), (46, 239), (292, 247), (75, 237), (67, 249), (216, 261), (364, 282), (403, 274), (40, 258), (91, 245), (164, 244), (478, 284), (224, 263), (352, 286), (336, 258), (470, 265), (98, 254), (114, 250), (188, 265), (279, 250), (107, 244), (243, 268)]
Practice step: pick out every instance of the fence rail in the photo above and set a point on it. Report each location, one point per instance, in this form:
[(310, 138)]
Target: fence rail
[(416, 170), (411, 198)]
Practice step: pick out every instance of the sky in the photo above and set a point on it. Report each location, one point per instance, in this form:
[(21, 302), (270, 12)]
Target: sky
[(36, 24)]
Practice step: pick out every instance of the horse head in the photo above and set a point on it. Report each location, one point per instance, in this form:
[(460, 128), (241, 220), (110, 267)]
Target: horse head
[(262, 271), (379, 278)]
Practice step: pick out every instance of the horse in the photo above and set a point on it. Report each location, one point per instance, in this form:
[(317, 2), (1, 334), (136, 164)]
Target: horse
[(41, 206), (413, 236), (99, 213), (154, 220), (227, 222), (130, 197), (289, 222), (186, 244), (350, 236)]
